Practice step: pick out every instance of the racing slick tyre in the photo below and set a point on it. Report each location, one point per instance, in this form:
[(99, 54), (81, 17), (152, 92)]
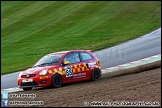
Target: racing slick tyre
[(56, 81), (28, 88), (95, 75)]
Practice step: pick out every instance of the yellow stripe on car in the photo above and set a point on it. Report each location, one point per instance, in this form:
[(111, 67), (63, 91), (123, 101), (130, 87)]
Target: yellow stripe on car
[(74, 71), (55, 70), (50, 72), (42, 77)]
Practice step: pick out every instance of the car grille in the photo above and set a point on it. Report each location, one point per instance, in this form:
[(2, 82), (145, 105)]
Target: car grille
[(34, 83), (28, 76)]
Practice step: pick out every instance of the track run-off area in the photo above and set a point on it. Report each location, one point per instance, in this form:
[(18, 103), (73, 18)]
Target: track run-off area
[(142, 87)]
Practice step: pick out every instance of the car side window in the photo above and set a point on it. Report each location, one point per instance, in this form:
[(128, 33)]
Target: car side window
[(72, 57), (85, 56)]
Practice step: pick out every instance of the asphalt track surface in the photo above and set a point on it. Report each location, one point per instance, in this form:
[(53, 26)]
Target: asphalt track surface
[(143, 47)]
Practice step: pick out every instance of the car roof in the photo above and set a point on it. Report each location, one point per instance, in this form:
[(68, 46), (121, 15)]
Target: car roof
[(63, 52)]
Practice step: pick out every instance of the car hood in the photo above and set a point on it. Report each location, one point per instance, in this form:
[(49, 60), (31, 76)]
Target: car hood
[(36, 70)]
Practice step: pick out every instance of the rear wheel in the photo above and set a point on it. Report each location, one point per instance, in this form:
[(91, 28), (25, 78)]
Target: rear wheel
[(56, 81), (28, 88), (95, 75)]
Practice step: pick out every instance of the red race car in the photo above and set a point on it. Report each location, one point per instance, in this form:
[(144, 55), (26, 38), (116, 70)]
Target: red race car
[(59, 68)]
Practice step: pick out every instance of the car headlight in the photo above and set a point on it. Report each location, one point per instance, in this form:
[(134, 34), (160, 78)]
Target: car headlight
[(20, 74), (43, 72)]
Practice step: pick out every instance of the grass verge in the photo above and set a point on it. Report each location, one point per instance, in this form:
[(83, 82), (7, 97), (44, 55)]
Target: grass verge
[(32, 29)]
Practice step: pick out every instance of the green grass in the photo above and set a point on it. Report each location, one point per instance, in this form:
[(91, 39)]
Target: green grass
[(31, 29)]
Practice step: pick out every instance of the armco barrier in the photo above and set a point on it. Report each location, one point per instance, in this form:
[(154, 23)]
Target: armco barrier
[(112, 69)]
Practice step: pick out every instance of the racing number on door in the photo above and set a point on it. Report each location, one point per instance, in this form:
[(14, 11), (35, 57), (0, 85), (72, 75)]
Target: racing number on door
[(68, 71)]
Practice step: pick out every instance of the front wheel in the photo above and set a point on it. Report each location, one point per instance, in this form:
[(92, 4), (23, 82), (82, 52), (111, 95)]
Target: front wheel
[(95, 75), (56, 81), (27, 89)]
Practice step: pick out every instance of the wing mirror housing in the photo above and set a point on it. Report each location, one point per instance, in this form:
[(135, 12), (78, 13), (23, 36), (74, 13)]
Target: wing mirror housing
[(66, 62)]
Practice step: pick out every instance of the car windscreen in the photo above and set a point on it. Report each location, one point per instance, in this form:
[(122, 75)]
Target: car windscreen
[(47, 60)]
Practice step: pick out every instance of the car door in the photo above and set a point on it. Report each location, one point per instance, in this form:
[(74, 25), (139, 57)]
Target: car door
[(75, 69), (88, 61)]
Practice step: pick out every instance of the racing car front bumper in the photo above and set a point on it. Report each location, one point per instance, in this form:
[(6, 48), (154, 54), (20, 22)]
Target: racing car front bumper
[(37, 81)]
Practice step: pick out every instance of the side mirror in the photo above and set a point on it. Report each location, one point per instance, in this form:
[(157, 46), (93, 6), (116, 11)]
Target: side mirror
[(66, 62)]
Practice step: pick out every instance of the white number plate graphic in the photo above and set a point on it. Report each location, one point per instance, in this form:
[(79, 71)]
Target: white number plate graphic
[(69, 72), (27, 80)]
